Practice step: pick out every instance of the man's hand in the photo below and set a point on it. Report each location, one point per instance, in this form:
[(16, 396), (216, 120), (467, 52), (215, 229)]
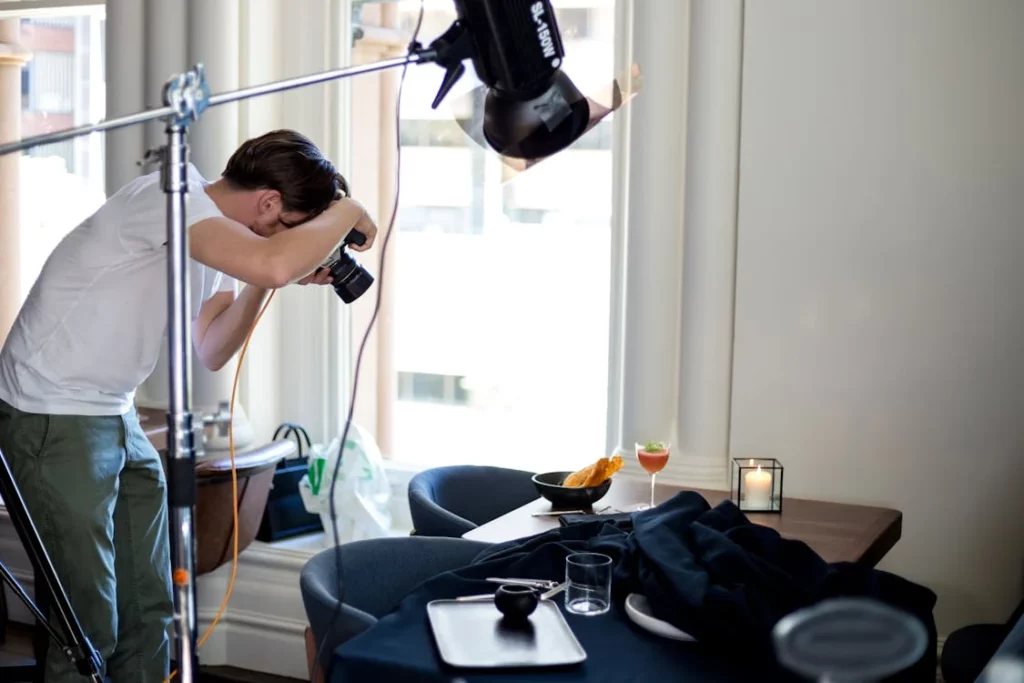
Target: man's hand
[(368, 228), (320, 276)]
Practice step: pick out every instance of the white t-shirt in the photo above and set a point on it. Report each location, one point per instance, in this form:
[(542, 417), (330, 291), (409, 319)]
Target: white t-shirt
[(91, 329)]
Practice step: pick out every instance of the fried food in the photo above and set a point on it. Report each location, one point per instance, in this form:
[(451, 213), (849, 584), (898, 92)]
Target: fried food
[(594, 474)]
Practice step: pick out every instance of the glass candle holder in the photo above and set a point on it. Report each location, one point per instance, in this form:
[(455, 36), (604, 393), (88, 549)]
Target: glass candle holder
[(757, 484)]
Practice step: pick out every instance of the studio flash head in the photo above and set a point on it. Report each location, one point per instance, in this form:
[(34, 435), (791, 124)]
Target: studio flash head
[(348, 277), (532, 109)]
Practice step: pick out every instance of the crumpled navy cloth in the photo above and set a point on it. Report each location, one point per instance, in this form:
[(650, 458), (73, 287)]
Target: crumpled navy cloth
[(709, 571), (716, 575)]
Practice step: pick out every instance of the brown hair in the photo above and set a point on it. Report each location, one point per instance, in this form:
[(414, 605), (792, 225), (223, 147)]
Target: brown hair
[(290, 163)]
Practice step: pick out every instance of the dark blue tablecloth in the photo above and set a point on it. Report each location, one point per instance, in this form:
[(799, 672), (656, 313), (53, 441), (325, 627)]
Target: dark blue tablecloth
[(400, 649), (708, 571)]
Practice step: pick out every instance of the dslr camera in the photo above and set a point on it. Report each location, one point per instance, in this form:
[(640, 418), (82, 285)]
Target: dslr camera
[(349, 279)]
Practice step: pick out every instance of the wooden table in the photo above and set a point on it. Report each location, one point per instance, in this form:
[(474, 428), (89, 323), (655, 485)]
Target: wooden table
[(836, 531)]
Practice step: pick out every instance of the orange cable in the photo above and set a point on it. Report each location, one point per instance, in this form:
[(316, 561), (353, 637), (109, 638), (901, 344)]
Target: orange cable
[(234, 483)]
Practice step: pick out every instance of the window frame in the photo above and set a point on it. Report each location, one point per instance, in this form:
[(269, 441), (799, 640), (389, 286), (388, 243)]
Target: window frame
[(41, 9)]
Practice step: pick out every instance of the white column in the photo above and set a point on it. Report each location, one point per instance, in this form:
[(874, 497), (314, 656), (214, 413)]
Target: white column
[(304, 28), (12, 59), (709, 264), (165, 49), (213, 40), (126, 89), (653, 240), (260, 51)]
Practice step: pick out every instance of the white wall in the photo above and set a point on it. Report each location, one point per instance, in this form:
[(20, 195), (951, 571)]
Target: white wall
[(879, 349)]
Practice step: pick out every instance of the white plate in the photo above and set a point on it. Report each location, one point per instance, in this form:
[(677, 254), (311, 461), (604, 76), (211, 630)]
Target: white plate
[(639, 611)]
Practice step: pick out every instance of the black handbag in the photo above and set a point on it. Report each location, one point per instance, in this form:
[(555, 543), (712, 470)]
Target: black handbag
[(286, 516)]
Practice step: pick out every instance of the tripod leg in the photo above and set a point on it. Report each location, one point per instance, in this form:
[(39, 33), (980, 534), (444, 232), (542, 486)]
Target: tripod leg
[(77, 649)]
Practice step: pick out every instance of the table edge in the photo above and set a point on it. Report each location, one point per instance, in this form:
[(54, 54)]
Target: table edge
[(879, 537)]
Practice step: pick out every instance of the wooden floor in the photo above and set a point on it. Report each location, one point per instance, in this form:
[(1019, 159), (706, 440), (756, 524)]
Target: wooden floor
[(229, 674), (18, 650)]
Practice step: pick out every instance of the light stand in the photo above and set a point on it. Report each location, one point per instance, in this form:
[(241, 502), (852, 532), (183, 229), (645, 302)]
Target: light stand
[(185, 98), (76, 647)]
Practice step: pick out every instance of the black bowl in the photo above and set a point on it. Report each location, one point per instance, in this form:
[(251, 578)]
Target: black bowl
[(549, 485), (515, 602)]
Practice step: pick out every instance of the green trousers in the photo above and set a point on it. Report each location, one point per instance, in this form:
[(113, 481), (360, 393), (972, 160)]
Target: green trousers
[(95, 489)]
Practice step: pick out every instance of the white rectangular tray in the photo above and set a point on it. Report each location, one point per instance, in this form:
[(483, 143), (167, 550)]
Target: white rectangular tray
[(475, 635)]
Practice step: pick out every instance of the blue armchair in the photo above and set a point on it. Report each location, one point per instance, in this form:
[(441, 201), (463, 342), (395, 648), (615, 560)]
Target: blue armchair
[(969, 650), (449, 501), (377, 574)]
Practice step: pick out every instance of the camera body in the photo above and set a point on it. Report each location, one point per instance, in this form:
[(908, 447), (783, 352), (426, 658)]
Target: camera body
[(348, 277)]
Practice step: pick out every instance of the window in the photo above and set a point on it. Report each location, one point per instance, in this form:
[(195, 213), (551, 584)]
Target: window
[(432, 133), (62, 86), (428, 388), (500, 319), (518, 215), (574, 22), (437, 219)]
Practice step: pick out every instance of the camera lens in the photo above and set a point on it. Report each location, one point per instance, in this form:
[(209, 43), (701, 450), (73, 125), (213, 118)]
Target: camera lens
[(349, 278)]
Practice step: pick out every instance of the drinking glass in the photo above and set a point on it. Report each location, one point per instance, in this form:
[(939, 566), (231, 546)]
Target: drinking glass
[(589, 583), (652, 456)]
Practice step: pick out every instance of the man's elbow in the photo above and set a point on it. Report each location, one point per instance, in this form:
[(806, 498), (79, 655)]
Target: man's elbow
[(264, 278), (277, 273), (269, 271), (218, 364), (277, 279), (212, 361)]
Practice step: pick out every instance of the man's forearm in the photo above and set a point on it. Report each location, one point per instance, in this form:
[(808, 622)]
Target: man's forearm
[(228, 330)]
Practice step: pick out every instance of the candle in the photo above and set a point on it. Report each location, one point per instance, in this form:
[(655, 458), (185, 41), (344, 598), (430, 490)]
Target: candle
[(759, 489)]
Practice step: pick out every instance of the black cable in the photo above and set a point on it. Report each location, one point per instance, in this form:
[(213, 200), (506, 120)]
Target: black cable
[(362, 346)]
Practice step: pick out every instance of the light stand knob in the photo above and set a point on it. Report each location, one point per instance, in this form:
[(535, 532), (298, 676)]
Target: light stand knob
[(849, 640), (221, 419), (199, 441)]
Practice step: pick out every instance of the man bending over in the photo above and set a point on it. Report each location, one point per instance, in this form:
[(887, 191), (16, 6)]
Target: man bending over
[(90, 333)]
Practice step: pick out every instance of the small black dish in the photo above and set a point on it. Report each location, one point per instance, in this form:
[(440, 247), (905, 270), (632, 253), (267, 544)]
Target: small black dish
[(515, 602), (549, 485)]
